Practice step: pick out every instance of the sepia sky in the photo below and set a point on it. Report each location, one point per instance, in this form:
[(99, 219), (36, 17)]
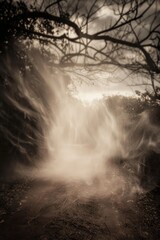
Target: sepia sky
[(108, 81)]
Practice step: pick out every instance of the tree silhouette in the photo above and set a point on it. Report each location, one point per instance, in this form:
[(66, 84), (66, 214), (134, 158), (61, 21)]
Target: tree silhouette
[(124, 33)]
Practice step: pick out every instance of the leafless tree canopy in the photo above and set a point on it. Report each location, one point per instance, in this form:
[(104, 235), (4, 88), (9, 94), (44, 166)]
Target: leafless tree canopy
[(123, 33)]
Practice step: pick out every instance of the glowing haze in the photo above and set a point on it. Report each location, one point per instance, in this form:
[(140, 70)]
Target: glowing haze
[(89, 145), (85, 143)]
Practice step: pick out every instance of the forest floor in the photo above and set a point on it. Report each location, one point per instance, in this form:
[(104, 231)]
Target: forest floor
[(36, 210)]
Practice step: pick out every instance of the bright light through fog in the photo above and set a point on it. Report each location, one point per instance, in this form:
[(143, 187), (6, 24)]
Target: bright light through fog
[(93, 86)]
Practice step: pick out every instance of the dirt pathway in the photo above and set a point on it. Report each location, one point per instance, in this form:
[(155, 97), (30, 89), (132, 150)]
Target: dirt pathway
[(41, 211)]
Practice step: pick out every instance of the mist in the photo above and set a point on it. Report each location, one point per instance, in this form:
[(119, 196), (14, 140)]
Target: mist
[(77, 157), (62, 140), (79, 120)]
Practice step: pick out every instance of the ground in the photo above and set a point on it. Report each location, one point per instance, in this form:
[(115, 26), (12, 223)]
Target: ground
[(39, 210)]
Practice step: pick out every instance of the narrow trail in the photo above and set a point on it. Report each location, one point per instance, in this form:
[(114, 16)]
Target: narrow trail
[(43, 211)]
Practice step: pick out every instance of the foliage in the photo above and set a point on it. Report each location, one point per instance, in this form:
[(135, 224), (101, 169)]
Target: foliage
[(130, 105), (153, 97)]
